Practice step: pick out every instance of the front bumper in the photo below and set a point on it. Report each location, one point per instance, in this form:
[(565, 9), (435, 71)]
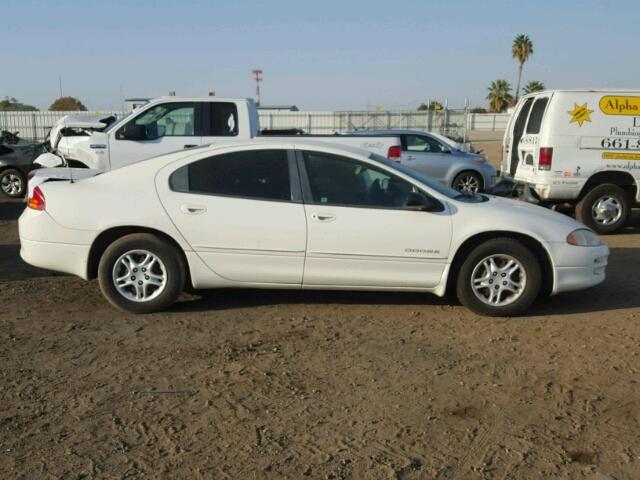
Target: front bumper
[(577, 268)]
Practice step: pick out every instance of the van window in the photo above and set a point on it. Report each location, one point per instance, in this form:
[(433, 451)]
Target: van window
[(259, 174), (537, 112)]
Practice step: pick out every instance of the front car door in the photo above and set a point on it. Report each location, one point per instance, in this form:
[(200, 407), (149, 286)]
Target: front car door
[(170, 126), (426, 155), (361, 233), (241, 212)]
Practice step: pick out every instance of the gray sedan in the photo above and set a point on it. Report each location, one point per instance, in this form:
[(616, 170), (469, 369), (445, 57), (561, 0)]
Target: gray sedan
[(440, 158)]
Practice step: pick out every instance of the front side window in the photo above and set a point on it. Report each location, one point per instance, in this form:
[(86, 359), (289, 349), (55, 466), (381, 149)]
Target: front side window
[(169, 120), (422, 143), (258, 174), (338, 180)]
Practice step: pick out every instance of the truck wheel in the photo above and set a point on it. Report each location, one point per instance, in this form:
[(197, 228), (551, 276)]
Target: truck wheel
[(469, 182), (500, 277), (12, 183), (140, 273), (605, 208)]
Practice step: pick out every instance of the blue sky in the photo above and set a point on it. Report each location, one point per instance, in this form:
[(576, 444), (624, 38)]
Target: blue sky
[(319, 55)]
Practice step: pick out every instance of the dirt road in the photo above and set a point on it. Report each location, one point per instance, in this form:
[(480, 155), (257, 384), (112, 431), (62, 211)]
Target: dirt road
[(270, 384)]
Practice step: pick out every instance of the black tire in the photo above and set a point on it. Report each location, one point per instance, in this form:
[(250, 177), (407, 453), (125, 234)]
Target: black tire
[(585, 207), (502, 247), (12, 183), (467, 178), (169, 257)]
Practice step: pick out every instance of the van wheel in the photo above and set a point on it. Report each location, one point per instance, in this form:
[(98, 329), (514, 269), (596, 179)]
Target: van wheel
[(12, 183), (140, 273), (468, 182), (500, 277), (605, 208)]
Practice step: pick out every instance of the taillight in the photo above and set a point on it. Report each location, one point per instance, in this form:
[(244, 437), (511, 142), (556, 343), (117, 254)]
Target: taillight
[(545, 158), (394, 153), (36, 201)]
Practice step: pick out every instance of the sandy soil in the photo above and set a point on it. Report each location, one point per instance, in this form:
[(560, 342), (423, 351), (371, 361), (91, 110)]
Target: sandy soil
[(246, 384)]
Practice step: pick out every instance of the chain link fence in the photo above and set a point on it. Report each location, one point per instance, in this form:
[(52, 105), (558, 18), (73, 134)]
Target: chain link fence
[(34, 126)]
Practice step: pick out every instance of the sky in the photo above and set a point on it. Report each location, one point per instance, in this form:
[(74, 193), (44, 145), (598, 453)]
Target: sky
[(320, 55)]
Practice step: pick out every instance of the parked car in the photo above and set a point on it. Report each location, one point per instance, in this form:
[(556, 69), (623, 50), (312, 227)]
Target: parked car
[(300, 215), (441, 158), (580, 147), (16, 161)]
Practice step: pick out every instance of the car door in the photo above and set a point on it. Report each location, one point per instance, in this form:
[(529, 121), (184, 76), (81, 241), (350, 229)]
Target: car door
[(169, 127), (426, 155), (361, 231), (241, 212)]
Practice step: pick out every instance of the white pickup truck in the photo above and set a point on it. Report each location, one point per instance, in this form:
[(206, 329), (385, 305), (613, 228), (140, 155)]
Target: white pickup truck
[(167, 124)]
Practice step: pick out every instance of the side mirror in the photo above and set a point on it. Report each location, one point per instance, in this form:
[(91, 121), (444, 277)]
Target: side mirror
[(422, 203), (445, 149), (132, 131)]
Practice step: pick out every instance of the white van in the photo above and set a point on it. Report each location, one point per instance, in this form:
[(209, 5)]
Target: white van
[(580, 147)]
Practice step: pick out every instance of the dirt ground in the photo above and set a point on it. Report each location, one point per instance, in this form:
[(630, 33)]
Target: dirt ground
[(275, 384)]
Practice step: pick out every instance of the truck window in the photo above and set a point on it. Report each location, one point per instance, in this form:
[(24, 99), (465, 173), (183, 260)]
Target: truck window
[(537, 112), (223, 119), (170, 119)]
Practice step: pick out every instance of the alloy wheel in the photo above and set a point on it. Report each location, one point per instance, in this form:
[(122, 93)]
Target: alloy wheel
[(139, 275), (498, 280)]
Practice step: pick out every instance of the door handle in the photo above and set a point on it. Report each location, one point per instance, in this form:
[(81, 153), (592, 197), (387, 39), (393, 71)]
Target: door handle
[(323, 217), (193, 209), (190, 146)]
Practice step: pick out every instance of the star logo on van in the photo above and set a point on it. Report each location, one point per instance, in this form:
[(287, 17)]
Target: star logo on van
[(580, 114)]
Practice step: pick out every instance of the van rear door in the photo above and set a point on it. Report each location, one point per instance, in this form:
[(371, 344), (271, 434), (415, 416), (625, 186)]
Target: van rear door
[(529, 146), (513, 135)]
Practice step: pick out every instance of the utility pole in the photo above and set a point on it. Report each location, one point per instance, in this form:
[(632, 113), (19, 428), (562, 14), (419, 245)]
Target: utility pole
[(257, 76), (60, 85)]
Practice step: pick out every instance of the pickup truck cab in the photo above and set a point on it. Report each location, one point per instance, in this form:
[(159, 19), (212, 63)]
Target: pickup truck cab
[(580, 147), (169, 124)]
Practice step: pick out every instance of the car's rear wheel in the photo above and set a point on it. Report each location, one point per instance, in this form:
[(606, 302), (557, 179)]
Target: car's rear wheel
[(141, 273), (12, 183), (468, 182), (500, 277), (605, 208)]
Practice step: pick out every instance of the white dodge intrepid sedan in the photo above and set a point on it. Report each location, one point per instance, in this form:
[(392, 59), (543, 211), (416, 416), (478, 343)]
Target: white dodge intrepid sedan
[(300, 215)]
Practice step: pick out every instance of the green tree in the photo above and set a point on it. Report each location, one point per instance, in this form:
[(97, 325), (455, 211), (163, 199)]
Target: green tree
[(67, 104), (11, 104), (533, 86), (521, 50), (432, 105), (499, 96)]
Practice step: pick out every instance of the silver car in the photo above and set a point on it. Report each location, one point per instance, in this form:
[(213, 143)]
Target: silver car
[(441, 159)]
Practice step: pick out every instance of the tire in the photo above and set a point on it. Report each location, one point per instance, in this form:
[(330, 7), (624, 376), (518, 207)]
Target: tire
[(12, 183), (605, 208), (509, 302), (468, 181), (161, 280)]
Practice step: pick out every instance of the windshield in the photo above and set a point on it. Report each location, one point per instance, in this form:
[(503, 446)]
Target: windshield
[(429, 182)]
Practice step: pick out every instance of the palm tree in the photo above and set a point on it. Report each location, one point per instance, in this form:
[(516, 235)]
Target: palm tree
[(499, 96), (521, 49), (533, 86)]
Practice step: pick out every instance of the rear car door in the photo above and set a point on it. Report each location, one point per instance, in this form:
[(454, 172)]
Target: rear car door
[(361, 232), (241, 212), (426, 155), (170, 126)]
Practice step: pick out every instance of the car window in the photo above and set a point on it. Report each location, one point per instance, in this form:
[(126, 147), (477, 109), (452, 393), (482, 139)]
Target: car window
[(537, 112), (223, 119), (336, 180), (259, 174), (169, 119), (422, 143)]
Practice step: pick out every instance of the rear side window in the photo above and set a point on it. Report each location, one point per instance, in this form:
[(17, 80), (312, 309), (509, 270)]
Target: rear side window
[(222, 119), (259, 174), (421, 143), (537, 112)]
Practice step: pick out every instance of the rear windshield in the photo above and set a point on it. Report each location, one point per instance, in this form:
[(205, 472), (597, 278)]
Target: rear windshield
[(537, 112)]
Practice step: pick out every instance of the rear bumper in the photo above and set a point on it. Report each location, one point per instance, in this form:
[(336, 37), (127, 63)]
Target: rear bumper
[(61, 257)]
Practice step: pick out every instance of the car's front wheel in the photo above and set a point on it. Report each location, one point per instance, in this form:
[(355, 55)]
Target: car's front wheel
[(468, 182), (500, 277), (12, 183), (140, 273)]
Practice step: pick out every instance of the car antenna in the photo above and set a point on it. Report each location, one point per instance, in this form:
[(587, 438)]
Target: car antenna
[(69, 167)]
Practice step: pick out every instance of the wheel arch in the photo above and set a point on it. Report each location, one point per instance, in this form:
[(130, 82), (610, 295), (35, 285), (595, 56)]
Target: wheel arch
[(107, 237), (622, 179), (535, 245), (468, 169)]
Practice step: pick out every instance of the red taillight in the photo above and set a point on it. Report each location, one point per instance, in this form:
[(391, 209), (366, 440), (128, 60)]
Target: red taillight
[(394, 153), (545, 158), (36, 201)]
